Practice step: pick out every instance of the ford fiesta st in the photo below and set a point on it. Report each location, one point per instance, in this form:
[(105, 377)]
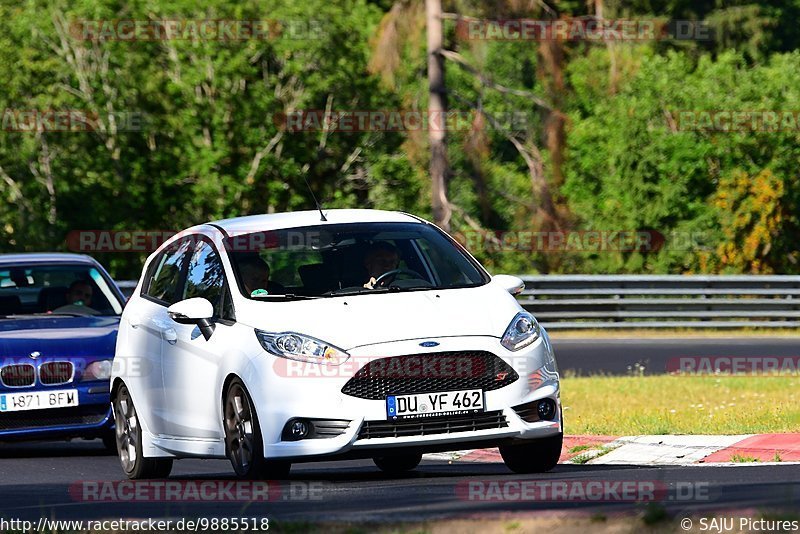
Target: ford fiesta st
[(284, 338), (59, 315)]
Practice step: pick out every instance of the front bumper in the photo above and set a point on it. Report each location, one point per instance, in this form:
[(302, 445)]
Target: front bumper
[(314, 393), (90, 419)]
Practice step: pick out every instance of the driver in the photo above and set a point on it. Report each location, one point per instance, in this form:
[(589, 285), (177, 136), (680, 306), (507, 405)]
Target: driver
[(79, 299), (381, 257), (255, 275)]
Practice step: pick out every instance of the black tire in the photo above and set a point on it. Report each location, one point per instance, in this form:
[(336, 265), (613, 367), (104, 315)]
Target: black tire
[(128, 438), (243, 443), (536, 456), (395, 465)]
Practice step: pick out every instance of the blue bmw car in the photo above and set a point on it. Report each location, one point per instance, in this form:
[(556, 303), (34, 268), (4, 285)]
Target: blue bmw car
[(59, 316)]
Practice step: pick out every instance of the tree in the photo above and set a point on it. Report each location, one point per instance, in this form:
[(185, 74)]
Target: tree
[(437, 110)]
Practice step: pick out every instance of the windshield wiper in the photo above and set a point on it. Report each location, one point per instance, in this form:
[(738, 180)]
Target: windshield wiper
[(382, 289), (38, 315), (286, 296), (355, 291), (397, 289)]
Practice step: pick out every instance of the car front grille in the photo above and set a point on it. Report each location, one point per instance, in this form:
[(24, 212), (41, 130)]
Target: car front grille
[(18, 375), (55, 373), (329, 428), (31, 419), (427, 427), (430, 373)]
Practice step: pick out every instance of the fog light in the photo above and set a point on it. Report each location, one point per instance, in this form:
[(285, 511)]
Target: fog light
[(546, 409), (299, 429)]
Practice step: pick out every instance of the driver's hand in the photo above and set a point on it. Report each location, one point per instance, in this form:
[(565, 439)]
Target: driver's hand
[(371, 283)]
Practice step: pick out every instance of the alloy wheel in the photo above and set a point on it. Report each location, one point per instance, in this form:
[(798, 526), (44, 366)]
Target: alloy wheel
[(127, 430), (239, 427)]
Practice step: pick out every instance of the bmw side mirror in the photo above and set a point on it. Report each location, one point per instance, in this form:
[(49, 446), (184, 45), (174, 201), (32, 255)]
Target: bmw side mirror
[(198, 311), (512, 284)]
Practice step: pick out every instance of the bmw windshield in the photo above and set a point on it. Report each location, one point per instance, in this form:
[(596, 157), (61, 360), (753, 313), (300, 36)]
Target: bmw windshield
[(345, 259), (56, 289)]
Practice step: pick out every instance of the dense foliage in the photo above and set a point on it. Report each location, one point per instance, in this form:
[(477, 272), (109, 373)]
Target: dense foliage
[(557, 138)]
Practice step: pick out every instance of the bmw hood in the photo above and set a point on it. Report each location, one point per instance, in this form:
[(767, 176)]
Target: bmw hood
[(64, 338), (358, 320)]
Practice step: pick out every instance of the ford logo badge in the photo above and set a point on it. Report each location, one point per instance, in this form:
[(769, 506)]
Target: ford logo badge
[(429, 344)]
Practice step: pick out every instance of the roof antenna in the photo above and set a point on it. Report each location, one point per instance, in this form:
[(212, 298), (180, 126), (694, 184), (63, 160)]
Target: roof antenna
[(321, 215)]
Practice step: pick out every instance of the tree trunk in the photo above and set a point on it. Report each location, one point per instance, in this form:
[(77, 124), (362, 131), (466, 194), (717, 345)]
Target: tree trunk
[(437, 108), (551, 56)]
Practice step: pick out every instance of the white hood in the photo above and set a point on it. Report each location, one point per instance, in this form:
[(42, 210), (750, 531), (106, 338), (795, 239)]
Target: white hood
[(357, 320)]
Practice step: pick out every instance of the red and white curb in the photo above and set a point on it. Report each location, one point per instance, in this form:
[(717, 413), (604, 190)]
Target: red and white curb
[(739, 450)]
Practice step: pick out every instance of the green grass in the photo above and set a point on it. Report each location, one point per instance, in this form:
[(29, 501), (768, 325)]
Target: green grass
[(581, 459), (654, 513), (591, 455), (743, 459), (672, 404)]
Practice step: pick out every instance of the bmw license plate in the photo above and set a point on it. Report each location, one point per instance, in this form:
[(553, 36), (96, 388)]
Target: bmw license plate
[(434, 404), (38, 400)]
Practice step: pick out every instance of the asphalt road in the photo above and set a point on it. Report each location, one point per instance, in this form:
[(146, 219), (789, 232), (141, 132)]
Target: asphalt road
[(620, 356), (60, 480), (40, 480)]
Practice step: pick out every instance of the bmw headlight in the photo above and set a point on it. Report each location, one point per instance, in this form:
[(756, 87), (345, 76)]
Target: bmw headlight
[(522, 331), (301, 347), (99, 370)]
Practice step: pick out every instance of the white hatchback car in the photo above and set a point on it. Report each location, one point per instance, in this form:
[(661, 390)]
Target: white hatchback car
[(275, 339)]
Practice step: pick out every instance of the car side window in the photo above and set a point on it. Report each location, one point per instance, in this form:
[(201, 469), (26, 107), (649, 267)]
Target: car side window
[(163, 283), (206, 278)]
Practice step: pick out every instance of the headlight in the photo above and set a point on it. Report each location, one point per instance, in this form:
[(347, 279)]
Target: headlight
[(300, 347), (522, 331), (99, 370)]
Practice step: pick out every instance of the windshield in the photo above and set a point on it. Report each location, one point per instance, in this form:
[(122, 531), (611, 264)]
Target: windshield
[(73, 290), (345, 259)]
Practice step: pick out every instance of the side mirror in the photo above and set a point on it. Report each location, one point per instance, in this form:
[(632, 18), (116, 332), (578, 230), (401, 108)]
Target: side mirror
[(197, 311), (512, 284)]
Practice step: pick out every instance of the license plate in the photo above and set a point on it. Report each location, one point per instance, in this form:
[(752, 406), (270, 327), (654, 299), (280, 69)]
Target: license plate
[(434, 404), (38, 400)]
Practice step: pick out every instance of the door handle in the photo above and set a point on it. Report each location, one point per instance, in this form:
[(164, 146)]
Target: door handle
[(170, 336)]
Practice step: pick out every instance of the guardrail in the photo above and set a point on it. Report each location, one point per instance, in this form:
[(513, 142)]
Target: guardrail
[(662, 301), (655, 301)]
